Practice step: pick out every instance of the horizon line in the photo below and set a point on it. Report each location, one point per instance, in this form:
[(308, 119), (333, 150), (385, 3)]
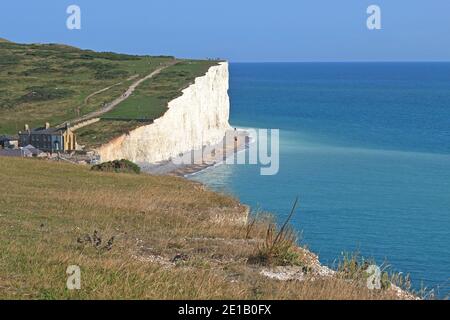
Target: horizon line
[(346, 61), (241, 61)]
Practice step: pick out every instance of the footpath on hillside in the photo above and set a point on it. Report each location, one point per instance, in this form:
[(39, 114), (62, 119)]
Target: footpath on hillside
[(110, 106)]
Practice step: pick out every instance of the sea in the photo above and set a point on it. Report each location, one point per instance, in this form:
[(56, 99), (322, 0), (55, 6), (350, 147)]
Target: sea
[(365, 147)]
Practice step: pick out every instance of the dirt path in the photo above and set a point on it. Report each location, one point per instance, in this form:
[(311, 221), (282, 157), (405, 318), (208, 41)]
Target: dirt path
[(86, 100), (110, 106)]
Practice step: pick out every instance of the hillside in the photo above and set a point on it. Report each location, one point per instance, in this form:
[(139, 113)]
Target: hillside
[(57, 83), (142, 236)]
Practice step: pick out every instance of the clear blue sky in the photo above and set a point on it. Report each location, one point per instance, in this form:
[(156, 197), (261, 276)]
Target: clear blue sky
[(244, 30)]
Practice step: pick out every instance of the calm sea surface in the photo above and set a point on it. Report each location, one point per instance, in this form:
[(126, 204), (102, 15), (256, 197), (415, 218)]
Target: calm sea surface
[(366, 146)]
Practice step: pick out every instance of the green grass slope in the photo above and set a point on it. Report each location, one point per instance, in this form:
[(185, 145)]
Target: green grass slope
[(49, 83), (152, 96), (54, 83)]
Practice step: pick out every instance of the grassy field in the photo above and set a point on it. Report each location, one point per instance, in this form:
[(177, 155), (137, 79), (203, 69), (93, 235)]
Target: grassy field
[(49, 83), (150, 99), (99, 133), (140, 236), (54, 83)]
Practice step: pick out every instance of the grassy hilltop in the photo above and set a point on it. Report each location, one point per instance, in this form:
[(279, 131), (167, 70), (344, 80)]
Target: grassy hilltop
[(140, 236), (57, 83)]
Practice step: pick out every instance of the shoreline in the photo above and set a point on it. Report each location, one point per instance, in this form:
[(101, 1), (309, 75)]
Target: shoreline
[(217, 156)]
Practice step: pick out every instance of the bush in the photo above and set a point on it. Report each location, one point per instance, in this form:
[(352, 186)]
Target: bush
[(354, 267), (94, 66), (6, 103), (8, 60), (123, 166), (42, 93), (90, 55), (40, 53), (111, 74), (39, 70)]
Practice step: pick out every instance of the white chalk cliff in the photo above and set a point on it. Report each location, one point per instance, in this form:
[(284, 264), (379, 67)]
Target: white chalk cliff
[(197, 118)]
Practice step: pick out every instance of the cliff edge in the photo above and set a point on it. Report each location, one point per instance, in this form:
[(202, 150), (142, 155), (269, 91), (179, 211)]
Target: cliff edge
[(197, 118)]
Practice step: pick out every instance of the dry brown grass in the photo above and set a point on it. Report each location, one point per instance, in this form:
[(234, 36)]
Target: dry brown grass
[(173, 239)]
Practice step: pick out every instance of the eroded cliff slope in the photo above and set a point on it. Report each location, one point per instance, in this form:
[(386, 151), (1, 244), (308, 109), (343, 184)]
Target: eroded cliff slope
[(197, 118)]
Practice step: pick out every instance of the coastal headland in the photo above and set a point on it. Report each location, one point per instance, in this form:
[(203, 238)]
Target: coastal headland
[(140, 235)]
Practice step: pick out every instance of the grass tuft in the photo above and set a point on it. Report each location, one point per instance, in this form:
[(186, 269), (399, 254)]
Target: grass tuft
[(280, 245)]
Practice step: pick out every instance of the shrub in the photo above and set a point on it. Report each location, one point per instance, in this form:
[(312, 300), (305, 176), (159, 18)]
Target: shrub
[(6, 103), (111, 74), (42, 93), (123, 166), (89, 55), (8, 60), (39, 70), (354, 267), (95, 66), (41, 53)]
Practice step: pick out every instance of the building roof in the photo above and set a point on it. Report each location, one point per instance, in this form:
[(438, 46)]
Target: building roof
[(47, 131)]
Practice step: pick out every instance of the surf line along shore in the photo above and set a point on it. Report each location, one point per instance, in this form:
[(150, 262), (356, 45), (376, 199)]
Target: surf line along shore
[(199, 160)]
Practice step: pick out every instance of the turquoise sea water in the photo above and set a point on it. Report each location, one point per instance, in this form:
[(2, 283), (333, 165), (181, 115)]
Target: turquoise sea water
[(366, 146)]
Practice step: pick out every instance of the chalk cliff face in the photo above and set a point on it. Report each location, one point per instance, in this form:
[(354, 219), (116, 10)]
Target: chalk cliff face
[(197, 118)]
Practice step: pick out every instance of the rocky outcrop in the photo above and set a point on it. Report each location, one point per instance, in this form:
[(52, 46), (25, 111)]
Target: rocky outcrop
[(197, 118)]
